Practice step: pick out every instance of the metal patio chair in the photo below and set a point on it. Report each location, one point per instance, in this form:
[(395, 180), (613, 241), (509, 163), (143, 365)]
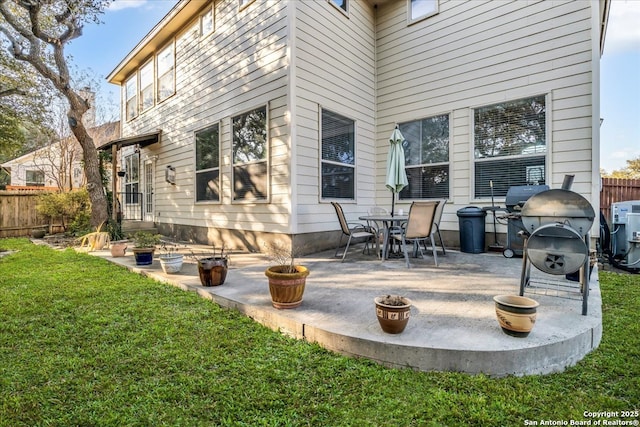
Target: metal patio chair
[(419, 228), (353, 231)]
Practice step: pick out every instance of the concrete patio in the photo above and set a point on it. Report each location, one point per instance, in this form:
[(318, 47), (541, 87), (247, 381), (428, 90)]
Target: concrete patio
[(453, 326)]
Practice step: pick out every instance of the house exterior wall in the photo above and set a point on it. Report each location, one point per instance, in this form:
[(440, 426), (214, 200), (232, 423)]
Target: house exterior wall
[(474, 54), (334, 66), (240, 66), (369, 65)]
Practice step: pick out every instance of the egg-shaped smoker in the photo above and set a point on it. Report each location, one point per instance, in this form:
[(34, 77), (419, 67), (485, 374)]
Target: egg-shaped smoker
[(557, 224)]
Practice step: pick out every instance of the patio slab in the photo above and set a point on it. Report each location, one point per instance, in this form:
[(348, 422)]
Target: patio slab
[(453, 325)]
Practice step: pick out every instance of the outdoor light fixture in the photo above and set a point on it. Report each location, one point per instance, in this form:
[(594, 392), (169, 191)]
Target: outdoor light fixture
[(170, 175)]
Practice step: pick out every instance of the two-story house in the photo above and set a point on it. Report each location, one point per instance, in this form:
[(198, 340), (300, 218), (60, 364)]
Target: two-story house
[(244, 119)]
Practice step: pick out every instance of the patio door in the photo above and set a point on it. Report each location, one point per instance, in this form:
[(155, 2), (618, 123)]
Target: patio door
[(148, 192)]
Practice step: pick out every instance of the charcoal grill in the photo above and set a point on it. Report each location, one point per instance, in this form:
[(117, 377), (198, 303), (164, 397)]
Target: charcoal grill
[(515, 199), (557, 224)]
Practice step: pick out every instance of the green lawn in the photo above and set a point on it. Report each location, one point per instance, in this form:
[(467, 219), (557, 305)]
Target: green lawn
[(85, 342)]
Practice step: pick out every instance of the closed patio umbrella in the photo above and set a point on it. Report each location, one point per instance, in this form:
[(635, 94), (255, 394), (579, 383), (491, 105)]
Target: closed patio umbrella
[(396, 174)]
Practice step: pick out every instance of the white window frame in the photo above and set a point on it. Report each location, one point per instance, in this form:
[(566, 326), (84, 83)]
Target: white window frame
[(150, 86), (131, 99), (209, 11), (34, 182), (344, 10), (266, 160), (546, 153), (434, 10), (202, 171), (427, 165), (322, 161), (165, 73), (242, 4)]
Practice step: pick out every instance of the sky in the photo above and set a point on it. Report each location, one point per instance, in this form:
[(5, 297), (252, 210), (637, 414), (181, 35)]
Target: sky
[(101, 48)]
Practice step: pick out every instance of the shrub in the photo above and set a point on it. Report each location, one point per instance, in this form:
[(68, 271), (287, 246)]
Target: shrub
[(71, 208)]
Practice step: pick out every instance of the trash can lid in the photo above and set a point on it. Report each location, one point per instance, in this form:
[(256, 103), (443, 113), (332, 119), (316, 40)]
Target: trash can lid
[(473, 211)]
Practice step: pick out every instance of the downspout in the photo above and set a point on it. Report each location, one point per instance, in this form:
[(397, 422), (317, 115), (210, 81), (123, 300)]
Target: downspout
[(293, 130), (596, 30)]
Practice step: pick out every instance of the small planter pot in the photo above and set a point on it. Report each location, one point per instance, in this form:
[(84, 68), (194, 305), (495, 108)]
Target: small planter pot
[(171, 263), (286, 289), (516, 314), (393, 313), (118, 248), (38, 233), (144, 256), (212, 271)]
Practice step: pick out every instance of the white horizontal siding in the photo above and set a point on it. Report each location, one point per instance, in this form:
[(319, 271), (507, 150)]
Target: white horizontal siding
[(242, 65), (480, 53), (335, 70)]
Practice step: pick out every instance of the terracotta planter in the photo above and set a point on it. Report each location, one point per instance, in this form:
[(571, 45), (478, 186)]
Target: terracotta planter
[(393, 319), (212, 271), (516, 314), (171, 263), (286, 289), (144, 256), (118, 248)]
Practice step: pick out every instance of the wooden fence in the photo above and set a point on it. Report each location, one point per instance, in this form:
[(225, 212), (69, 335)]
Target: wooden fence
[(18, 215), (617, 190)]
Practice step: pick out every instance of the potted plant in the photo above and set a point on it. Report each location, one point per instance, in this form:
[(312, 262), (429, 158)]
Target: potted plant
[(96, 240), (145, 245), (170, 260), (212, 267), (516, 314), (286, 279), (118, 244), (393, 312)]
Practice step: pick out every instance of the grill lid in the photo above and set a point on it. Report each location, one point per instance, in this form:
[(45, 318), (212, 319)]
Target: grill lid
[(558, 206)]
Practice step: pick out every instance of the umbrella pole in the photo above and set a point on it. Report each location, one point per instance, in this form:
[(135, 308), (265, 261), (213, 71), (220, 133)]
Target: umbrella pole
[(393, 201)]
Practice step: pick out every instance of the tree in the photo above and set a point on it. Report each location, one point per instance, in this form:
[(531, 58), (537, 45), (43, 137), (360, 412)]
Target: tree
[(36, 32), (631, 171)]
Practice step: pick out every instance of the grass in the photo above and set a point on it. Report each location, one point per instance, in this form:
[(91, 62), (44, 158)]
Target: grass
[(85, 342)]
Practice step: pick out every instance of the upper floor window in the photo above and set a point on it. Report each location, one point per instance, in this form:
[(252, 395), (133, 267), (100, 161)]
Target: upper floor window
[(250, 166), (34, 178), (131, 96), (206, 22), (244, 3), (421, 9), (208, 164), (146, 86), (342, 4), (510, 145), (426, 153), (166, 72), (338, 156)]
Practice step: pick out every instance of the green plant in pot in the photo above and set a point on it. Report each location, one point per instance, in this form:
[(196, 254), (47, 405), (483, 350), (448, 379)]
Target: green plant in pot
[(287, 280), (170, 260), (144, 247), (212, 267)]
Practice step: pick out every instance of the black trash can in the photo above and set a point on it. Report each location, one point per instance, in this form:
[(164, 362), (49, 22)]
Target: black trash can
[(471, 221)]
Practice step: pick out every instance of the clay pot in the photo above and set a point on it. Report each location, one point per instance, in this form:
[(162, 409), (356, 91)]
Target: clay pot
[(393, 319), (516, 314), (286, 288), (118, 248), (212, 271)]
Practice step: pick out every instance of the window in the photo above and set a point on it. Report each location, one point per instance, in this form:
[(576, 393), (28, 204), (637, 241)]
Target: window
[(146, 86), (342, 4), (338, 156), (421, 9), (426, 152), (131, 95), (510, 145), (166, 73), (208, 164), (132, 178), (244, 3), (250, 168), (206, 22), (35, 178)]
